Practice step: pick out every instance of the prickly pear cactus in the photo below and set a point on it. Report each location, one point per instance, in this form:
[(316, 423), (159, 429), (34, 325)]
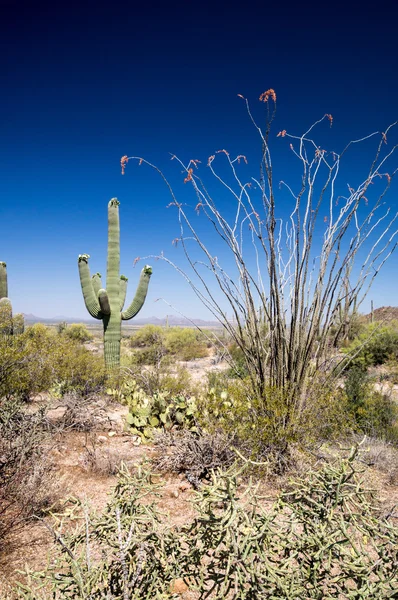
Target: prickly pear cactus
[(8, 324), (107, 303)]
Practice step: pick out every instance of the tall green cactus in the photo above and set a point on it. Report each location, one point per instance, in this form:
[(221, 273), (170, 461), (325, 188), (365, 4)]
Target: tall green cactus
[(8, 324), (107, 304)]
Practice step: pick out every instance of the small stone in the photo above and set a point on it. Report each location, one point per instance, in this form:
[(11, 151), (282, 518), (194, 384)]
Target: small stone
[(102, 439), (184, 486), (111, 433), (178, 586), (155, 478), (174, 494)]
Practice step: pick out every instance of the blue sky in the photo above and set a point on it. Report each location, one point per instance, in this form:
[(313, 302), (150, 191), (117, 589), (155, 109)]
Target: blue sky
[(86, 83)]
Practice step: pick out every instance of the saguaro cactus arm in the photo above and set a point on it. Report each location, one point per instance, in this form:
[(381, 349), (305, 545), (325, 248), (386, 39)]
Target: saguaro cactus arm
[(3, 280), (90, 298), (140, 294), (123, 291), (97, 283), (104, 302)]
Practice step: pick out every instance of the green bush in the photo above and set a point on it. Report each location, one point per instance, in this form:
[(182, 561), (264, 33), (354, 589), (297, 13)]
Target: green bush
[(267, 427), (347, 328), (239, 368), (374, 346), (321, 539), (374, 413), (76, 369), (154, 344), (77, 332), (173, 379), (40, 359), (185, 344), (149, 345)]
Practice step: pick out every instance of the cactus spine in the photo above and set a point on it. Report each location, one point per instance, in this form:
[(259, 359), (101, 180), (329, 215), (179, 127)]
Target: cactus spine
[(8, 324), (107, 304)]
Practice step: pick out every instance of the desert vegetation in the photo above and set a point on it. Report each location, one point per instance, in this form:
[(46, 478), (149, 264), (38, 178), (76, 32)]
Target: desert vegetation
[(272, 438)]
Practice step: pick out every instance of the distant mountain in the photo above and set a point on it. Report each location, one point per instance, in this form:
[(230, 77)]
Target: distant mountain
[(175, 321), (171, 320), (29, 318)]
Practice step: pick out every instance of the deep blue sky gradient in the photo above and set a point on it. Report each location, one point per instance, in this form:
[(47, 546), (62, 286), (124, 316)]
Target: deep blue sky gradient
[(85, 83)]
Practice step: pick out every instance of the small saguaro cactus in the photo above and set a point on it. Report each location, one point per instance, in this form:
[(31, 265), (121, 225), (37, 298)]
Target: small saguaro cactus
[(107, 304), (8, 324)]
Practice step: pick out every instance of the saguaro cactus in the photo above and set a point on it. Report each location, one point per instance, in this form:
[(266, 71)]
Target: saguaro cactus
[(107, 304), (8, 324)]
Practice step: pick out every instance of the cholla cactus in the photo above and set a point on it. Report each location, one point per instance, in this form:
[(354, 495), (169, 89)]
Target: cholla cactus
[(8, 324), (107, 304)]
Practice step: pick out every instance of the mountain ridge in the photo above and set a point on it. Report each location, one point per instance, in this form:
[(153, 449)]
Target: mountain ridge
[(172, 320)]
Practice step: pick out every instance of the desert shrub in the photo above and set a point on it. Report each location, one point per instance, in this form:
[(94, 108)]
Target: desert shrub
[(373, 412), (195, 455), (39, 360), (374, 346), (321, 539), (149, 345), (174, 379), (76, 369), (26, 366), (237, 356), (383, 456), (266, 427), (346, 328), (102, 459), (77, 332), (146, 336), (27, 484), (154, 344), (82, 413), (185, 343), (62, 326)]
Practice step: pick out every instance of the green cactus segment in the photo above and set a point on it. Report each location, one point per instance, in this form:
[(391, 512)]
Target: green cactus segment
[(112, 337), (3, 280), (113, 265), (140, 294), (104, 302), (107, 304), (97, 283), (122, 290), (6, 325), (89, 295)]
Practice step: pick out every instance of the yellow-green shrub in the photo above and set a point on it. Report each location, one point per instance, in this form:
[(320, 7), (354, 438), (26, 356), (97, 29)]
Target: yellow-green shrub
[(154, 344), (78, 332), (372, 411), (39, 359), (374, 346), (185, 344), (269, 424)]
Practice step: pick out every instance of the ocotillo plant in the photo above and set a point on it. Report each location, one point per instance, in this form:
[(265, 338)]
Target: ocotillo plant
[(8, 324), (107, 304)]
